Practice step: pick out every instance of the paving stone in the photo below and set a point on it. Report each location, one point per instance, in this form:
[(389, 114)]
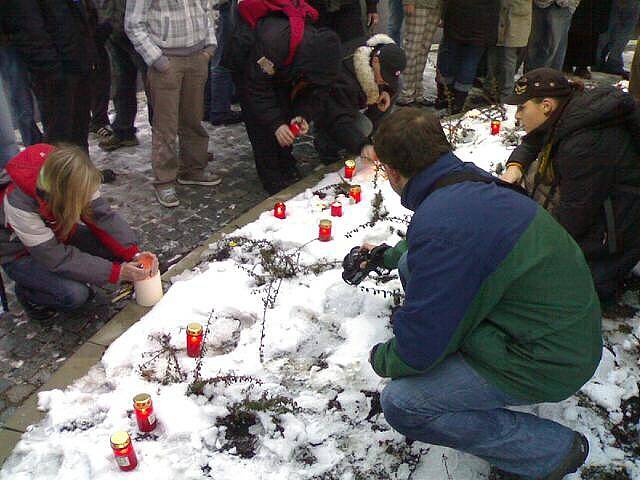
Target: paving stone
[(17, 393)]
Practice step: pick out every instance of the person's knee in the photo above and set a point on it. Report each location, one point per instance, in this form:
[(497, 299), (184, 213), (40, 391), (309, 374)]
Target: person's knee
[(74, 295), (397, 411)]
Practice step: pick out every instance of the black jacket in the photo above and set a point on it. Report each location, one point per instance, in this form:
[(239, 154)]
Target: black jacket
[(258, 59), (335, 108), (53, 36), (596, 157), (473, 22)]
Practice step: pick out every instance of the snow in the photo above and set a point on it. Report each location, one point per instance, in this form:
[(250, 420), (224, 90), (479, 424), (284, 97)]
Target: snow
[(316, 342)]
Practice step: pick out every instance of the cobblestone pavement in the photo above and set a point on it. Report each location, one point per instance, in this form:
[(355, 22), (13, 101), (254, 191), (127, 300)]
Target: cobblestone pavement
[(30, 353)]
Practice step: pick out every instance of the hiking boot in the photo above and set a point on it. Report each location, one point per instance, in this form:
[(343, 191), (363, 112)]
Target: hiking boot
[(114, 142), (108, 175), (104, 131), (575, 458), (166, 195), (459, 99), (229, 118), (201, 179)]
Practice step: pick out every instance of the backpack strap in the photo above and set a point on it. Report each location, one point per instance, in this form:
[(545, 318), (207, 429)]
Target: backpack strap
[(469, 176)]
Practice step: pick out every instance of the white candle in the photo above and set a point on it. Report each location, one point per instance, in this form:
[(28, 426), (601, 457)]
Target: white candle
[(148, 291)]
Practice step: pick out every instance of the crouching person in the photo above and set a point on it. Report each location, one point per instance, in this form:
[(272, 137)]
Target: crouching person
[(58, 235), (500, 310)]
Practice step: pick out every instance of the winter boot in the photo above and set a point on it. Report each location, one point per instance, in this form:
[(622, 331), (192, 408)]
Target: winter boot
[(441, 98), (459, 99)]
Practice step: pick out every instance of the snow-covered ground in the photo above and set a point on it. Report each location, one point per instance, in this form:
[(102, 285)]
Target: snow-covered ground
[(309, 409)]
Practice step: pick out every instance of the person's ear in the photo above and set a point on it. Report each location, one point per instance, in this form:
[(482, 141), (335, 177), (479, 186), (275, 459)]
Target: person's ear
[(392, 173), (547, 106)]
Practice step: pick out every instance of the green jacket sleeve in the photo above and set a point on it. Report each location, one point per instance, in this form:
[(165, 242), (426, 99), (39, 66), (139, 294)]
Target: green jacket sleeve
[(392, 255), (387, 361)]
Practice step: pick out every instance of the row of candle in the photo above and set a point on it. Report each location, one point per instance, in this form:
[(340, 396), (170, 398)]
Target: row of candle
[(121, 443)]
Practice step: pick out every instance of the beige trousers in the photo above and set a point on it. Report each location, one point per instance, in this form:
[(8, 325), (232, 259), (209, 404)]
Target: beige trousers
[(178, 105)]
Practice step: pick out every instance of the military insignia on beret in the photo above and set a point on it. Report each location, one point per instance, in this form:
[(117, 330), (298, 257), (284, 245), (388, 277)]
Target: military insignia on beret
[(520, 88)]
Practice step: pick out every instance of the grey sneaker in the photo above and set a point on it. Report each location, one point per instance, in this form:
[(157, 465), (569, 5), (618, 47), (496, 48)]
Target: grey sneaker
[(200, 179), (166, 196)]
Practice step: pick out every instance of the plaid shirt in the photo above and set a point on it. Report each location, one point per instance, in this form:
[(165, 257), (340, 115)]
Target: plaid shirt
[(154, 25)]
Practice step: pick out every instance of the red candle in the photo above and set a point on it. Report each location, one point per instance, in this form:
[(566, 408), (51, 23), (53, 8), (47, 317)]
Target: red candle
[(144, 412), (356, 193), (280, 210), (123, 451), (349, 168), (336, 209), (324, 235), (495, 127), (295, 129), (194, 340)]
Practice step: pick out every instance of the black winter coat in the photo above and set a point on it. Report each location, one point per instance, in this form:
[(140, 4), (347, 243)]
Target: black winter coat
[(472, 22), (253, 53), (53, 36), (596, 156)]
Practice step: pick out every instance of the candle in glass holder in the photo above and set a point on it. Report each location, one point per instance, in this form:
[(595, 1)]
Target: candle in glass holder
[(194, 340), (336, 209), (149, 290), (144, 412), (280, 210), (349, 168), (123, 451), (295, 129), (355, 192), (495, 127), (324, 234)]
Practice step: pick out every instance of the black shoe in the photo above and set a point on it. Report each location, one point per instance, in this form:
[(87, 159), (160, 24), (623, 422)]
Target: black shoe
[(108, 175), (292, 174), (459, 99), (39, 313), (229, 118), (583, 72), (443, 98), (575, 458), (327, 152), (114, 142)]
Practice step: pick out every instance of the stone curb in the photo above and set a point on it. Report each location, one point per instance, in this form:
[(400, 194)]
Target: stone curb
[(91, 352)]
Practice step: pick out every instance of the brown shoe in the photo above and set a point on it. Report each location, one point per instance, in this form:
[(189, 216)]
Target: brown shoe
[(201, 179)]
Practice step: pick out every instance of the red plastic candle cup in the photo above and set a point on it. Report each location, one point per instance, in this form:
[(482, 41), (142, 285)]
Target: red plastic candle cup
[(144, 412), (295, 129), (336, 209), (194, 340), (349, 168), (324, 234), (355, 192), (495, 127), (123, 451), (280, 210)]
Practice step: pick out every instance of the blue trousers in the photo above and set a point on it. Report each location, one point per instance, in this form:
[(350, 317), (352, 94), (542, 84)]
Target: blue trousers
[(396, 17), (454, 406), (222, 87), (549, 37), (611, 44), (8, 147), (457, 63)]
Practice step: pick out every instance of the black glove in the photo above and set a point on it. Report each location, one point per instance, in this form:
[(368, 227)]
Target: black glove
[(372, 355), (353, 273)]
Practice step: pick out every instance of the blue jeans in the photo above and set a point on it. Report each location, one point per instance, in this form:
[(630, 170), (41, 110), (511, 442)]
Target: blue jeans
[(501, 69), (457, 63), (396, 17), (14, 73), (36, 284), (622, 22), (8, 147), (549, 37), (221, 81), (453, 406)]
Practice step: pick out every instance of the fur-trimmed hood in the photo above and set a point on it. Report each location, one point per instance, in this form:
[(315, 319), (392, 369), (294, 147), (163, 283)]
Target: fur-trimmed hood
[(363, 68)]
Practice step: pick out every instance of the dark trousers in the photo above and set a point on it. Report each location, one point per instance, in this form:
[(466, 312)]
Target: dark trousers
[(64, 102), (100, 87), (36, 284), (126, 65), (346, 22)]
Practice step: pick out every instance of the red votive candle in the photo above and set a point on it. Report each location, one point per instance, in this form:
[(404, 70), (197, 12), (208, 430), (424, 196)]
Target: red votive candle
[(336, 209), (280, 210), (194, 340), (144, 412), (495, 127), (355, 192), (324, 234), (349, 168), (123, 451), (295, 129)]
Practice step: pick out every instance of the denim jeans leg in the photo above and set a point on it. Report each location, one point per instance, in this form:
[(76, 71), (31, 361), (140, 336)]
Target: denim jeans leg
[(396, 18), (125, 101), (453, 406), (560, 22), (16, 77), (448, 61), (8, 146), (37, 285), (622, 23), (469, 57), (221, 80)]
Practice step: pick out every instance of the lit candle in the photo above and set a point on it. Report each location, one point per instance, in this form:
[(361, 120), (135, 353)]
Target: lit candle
[(149, 290), (336, 209), (280, 210), (349, 168), (194, 340), (123, 451), (324, 235), (495, 127), (295, 129), (144, 412), (355, 192)]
